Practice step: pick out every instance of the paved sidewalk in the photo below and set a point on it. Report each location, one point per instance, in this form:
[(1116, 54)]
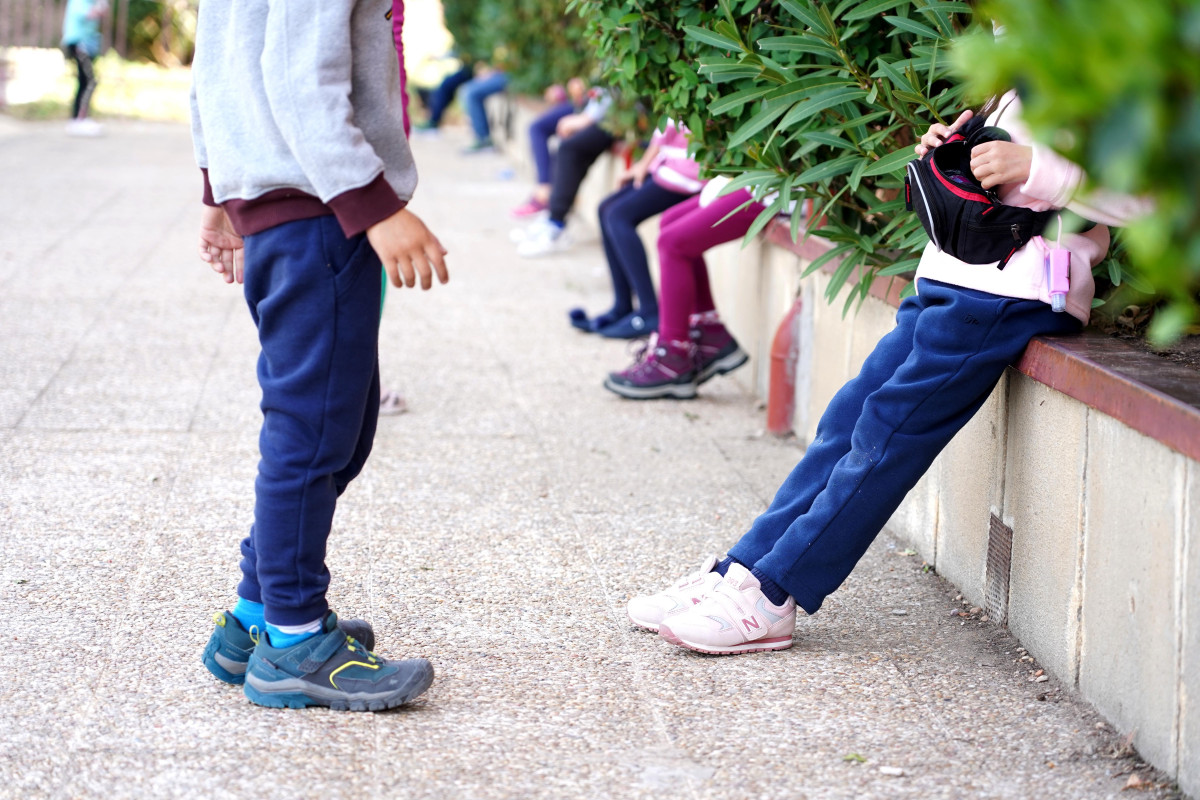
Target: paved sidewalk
[(498, 530)]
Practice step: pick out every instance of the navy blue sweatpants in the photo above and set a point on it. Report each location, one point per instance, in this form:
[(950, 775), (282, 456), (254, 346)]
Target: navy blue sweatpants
[(314, 295), (921, 385), (620, 213)]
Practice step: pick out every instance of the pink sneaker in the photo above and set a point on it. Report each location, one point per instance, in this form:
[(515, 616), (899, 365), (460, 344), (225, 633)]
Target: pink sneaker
[(529, 208), (648, 611), (734, 617)]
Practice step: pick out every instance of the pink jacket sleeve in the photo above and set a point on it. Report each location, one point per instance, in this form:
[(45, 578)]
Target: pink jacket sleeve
[(1057, 182), (398, 34)]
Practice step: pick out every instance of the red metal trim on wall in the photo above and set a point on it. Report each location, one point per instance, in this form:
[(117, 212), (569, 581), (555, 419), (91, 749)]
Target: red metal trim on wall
[(1153, 396)]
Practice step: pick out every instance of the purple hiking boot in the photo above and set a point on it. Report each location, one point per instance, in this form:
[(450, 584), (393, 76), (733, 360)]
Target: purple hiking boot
[(717, 352), (662, 369)]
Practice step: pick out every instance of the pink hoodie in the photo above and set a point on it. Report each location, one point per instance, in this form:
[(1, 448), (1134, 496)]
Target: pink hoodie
[(1053, 182), (671, 168)]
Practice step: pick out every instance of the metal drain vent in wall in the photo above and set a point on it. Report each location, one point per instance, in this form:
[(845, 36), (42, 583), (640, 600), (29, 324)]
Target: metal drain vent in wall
[(999, 565)]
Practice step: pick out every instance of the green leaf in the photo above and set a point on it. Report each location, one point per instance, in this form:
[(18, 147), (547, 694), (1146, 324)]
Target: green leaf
[(828, 169), (710, 38), (900, 267), (756, 123), (826, 257), (842, 274), (820, 102), (872, 7), (830, 138), (803, 12), (798, 44), (738, 99), (912, 26), (891, 162)]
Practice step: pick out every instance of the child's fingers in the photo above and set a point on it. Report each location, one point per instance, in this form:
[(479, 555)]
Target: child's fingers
[(436, 255), (405, 268), (424, 274), (962, 118)]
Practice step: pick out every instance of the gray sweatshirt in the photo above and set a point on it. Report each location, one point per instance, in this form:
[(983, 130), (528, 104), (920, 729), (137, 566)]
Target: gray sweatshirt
[(296, 112)]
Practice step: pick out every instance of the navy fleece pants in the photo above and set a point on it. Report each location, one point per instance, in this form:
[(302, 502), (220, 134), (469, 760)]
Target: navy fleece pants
[(314, 296), (620, 213), (921, 385)]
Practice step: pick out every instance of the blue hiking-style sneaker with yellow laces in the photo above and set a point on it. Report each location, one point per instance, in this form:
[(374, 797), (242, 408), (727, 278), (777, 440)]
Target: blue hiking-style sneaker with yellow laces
[(228, 650), (334, 670)]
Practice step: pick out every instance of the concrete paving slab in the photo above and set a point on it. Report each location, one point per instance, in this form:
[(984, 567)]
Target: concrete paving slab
[(498, 530)]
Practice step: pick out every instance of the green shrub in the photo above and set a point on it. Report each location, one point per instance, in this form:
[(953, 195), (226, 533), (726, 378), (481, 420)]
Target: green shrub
[(647, 59), (534, 40), (161, 31), (803, 98), (1114, 85)]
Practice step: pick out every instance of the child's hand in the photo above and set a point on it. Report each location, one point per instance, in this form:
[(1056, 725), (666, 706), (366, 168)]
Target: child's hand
[(938, 133), (220, 246), (636, 173), (996, 163), (571, 124), (408, 249)]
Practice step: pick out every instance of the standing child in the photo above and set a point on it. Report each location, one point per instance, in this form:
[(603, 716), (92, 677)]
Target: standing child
[(81, 41), (295, 116), (882, 430)]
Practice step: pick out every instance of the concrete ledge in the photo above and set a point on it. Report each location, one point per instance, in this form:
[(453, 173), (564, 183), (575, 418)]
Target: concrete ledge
[(1088, 456), (1067, 508)]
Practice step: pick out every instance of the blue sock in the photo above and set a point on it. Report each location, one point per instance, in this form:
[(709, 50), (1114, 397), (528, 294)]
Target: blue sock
[(249, 613), (774, 592), (724, 564), (278, 638), (558, 223)]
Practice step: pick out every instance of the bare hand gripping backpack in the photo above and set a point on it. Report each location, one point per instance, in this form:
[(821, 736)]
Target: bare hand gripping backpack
[(960, 216)]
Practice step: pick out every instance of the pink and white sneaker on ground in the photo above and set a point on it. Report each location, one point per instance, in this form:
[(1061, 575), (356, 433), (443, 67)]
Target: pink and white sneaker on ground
[(648, 611), (734, 617)]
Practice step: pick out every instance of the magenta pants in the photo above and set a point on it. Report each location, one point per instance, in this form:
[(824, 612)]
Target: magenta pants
[(685, 232)]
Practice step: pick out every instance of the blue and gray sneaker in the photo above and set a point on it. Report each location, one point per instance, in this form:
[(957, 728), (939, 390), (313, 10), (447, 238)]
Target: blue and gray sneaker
[(334, 670), (228, 650)]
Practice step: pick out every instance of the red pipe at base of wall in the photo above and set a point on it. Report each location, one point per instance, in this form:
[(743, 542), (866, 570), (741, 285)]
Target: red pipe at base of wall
[(785, 352)]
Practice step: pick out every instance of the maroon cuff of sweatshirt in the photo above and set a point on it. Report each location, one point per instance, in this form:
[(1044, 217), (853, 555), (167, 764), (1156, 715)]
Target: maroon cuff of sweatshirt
[(359, 209), (208, 195)]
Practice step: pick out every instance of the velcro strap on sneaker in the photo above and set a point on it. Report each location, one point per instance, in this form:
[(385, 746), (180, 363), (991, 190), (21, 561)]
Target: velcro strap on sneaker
[(333, 641)]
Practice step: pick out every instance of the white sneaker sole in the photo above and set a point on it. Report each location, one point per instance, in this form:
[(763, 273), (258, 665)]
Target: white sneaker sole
[(679, 391), (646, 626), (756, 646), (723, 366)]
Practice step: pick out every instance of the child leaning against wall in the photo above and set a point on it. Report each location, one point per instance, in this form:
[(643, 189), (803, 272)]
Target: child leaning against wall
[(880, 433)]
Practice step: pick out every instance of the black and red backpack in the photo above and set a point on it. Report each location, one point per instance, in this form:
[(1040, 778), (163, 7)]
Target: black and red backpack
[(960, 216)]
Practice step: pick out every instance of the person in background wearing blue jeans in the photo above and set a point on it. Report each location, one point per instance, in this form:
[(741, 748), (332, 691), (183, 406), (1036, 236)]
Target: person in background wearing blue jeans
[(442, 96), (296, 120), (563, 103), (880, 433), (81, 42), (487, 82)]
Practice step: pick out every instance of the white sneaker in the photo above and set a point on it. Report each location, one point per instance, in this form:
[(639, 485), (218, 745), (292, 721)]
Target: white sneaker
[(85, 127), (547, 238), (527, 231), (734, 617), (648, 611)]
